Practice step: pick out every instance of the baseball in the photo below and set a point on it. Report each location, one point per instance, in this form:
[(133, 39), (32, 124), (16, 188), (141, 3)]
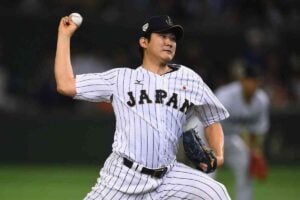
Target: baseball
[(76, 18)]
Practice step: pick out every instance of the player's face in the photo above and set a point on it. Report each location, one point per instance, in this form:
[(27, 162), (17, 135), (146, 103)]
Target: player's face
[(162, 46), (250, 85)]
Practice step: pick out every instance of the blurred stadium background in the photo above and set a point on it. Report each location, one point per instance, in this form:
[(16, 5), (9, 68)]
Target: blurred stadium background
[(52, 147)]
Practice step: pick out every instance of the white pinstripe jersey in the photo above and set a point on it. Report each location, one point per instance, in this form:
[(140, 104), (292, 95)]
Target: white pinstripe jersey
[(252, 117), (150, 109)]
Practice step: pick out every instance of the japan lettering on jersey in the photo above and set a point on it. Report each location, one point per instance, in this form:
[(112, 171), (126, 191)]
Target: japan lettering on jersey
[(150, 109)]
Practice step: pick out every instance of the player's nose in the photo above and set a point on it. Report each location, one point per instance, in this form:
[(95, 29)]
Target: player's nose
[(169, 42)]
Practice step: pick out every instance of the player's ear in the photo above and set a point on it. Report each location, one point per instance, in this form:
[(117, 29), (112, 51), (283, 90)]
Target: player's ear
[(143, 42)]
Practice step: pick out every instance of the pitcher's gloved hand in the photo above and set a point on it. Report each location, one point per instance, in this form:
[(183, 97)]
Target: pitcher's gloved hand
[(198, 152)]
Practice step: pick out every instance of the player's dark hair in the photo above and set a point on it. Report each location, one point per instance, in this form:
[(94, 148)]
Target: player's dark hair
[(141, 49)]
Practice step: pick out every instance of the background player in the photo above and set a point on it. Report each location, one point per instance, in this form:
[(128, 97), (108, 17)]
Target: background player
[(150, 104), (246, 127)]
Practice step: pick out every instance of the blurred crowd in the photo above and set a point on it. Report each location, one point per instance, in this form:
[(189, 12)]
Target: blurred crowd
[(220, 37)]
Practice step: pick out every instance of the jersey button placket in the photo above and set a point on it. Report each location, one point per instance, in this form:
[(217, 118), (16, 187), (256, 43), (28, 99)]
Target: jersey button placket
[(158, 117), (164, 120), (159, 106), (163, 114)]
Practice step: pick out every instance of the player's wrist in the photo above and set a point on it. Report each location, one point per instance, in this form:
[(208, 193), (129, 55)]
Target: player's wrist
[(220, 161), (257, 152), (64, 36)]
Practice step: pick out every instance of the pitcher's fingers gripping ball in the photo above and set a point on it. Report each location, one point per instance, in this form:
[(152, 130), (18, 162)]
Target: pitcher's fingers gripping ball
[(76, 18), (200, 154)]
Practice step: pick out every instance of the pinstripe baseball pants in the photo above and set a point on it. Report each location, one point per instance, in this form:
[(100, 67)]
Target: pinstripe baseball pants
[(117, 181)]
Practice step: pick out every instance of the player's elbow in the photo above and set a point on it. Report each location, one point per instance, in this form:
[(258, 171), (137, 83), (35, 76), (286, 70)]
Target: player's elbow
[(66, 89)]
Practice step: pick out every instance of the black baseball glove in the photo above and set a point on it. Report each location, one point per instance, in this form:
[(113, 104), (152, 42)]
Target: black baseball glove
[(198, 152)]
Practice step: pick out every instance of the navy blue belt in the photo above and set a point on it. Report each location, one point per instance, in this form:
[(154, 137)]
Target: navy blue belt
[(157, 173)]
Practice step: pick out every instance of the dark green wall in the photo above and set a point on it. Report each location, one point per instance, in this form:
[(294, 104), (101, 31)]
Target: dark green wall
[(52, 139)]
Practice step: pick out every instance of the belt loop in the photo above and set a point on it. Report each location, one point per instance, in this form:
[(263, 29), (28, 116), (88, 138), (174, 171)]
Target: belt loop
[(140, 168)]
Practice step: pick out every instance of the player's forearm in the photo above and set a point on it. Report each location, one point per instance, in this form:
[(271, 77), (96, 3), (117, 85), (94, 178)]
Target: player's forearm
[(215, 139), (64, 75)]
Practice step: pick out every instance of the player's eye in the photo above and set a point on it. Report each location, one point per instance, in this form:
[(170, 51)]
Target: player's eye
[(163, 35), (171, 36)]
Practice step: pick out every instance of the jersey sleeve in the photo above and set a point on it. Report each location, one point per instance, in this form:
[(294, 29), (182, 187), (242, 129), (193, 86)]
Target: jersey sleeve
[(210, 109), (96, 87)]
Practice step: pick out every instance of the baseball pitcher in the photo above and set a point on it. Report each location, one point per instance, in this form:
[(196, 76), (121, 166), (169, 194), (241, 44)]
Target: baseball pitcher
[(150, 103)]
